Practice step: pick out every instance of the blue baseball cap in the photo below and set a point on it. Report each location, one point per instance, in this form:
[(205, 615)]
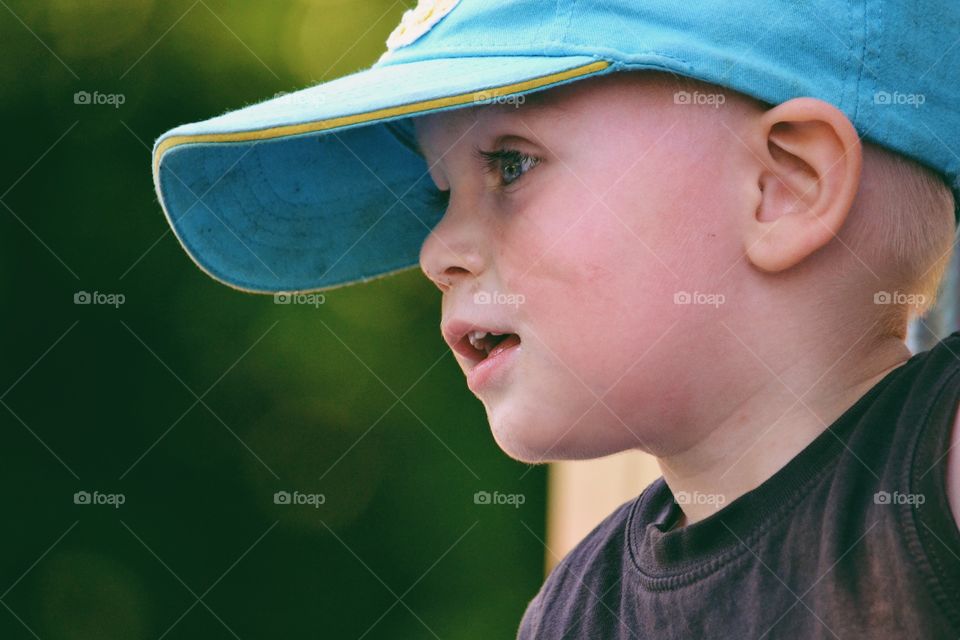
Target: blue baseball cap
[(325, 186)]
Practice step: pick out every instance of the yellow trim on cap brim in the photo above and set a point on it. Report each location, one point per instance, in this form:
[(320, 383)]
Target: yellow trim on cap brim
[(379, 114)]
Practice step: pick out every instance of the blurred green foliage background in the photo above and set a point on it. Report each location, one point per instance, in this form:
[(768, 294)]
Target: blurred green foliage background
[(197, 403)]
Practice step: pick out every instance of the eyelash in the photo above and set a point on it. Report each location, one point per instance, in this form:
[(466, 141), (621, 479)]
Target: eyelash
[(493, 162)]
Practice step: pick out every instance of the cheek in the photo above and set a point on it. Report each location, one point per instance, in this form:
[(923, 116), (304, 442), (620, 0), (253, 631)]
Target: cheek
[(593, 295), (599, 279)]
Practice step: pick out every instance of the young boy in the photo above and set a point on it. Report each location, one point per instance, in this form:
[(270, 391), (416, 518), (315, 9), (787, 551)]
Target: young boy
[(706, 244)]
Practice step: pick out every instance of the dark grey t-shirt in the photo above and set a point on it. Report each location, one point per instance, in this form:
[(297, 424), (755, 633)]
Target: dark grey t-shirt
[(853, 538)]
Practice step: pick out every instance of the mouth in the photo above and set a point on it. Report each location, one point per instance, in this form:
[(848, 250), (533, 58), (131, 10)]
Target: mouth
[(490, 345), (478, 344), (486, 352)]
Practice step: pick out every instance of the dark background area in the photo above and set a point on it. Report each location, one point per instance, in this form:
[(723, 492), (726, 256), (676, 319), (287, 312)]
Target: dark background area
[(196, 403)]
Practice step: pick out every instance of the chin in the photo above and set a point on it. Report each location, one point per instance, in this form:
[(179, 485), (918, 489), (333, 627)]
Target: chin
[(538, 439)]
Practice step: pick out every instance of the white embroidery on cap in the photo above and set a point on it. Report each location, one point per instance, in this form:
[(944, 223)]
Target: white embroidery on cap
[(418, 21)]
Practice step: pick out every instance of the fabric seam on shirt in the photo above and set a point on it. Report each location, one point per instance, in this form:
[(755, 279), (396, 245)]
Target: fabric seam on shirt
[(686, 577)]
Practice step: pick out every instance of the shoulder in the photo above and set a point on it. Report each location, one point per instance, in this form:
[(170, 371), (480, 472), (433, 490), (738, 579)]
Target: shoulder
[(600, 549), (586, 571)]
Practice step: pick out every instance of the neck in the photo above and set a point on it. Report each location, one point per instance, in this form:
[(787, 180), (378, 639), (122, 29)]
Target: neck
[(787, 408)]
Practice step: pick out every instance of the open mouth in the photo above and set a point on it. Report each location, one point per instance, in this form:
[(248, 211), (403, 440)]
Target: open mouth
[(485, 345), (485, 355)]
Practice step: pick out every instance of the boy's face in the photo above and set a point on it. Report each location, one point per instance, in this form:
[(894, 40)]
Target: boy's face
[(602, 210)]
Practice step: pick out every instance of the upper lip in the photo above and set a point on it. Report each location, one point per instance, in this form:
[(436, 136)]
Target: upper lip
[(455, 334)]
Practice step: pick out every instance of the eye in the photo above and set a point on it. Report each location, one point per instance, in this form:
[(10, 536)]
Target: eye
[(509, 165)]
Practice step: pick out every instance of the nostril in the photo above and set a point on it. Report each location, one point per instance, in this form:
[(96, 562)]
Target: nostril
[(454, 272), (445, 280), (439, 279)]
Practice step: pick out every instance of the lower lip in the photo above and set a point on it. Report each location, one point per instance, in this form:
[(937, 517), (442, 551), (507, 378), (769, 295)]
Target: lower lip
[(491, 368)]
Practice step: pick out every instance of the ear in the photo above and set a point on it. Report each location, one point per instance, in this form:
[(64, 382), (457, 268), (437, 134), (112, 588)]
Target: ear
[(809, 158)]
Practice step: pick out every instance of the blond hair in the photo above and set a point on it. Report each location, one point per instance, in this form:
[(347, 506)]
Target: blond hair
[(903, 225)]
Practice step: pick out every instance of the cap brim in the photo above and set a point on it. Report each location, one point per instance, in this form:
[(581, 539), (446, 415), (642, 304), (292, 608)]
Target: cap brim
[(324, 187)]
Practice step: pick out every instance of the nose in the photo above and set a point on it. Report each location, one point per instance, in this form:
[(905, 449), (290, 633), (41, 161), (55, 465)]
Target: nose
[(451, 252)]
